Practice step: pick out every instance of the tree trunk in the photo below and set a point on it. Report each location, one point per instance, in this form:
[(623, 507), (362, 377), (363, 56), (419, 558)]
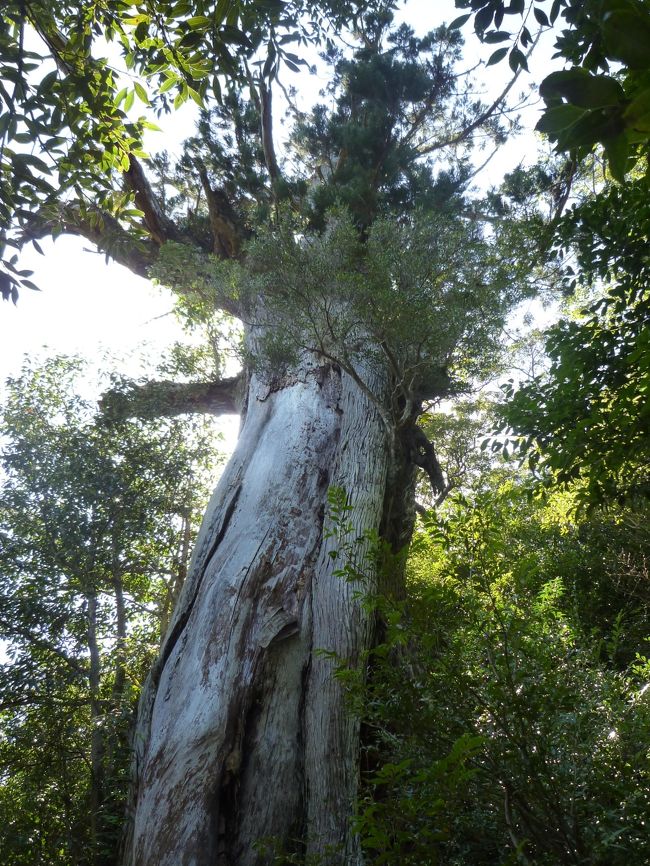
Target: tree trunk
[(243, 735), (97, 733)]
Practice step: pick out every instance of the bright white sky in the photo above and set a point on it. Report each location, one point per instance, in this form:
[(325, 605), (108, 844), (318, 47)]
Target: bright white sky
[(86, 305)]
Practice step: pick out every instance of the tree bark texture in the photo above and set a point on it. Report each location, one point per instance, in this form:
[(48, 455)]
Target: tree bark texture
[(243, 734)]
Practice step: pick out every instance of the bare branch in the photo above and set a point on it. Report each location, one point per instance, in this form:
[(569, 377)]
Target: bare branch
[(266, 126), (479, 168), (160, 227), (464, 133), (168, 399), (424, 456), (226, 234), (291, 103)]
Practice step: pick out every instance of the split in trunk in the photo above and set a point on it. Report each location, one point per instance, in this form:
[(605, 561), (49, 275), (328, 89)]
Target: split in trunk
[(244, 701)]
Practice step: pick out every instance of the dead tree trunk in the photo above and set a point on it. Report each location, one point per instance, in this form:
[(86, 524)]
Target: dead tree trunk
[(243, 735)]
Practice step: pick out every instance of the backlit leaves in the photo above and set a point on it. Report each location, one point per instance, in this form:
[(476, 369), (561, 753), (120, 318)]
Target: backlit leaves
[(614, 106), (67, 128)]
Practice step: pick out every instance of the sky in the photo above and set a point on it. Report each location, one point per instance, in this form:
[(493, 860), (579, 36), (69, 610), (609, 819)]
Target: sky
[(87, 305)]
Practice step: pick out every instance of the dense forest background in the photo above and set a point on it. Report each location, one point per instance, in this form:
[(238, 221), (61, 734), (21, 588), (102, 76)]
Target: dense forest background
[(505, 709)]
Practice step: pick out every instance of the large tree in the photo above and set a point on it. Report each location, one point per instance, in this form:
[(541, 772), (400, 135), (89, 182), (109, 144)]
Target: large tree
[(367, 289)]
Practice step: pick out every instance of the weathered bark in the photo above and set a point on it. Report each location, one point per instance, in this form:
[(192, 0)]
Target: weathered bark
[(243, 733)]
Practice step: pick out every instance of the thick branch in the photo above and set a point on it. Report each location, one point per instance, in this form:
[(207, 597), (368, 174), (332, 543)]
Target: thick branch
[(226, 234), (266, 125), (53, 38), (101, 229), (424, 456), (168, 399), (160, 227)]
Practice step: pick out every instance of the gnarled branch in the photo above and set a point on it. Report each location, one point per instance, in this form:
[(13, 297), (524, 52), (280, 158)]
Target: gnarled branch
[(226, 234), (167, 399), (266, 124), (424, 456), (158, 224)]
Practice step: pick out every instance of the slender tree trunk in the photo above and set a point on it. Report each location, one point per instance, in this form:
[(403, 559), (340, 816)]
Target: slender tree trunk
[(243, 734), (119, 680), (96, 736), (177, 579)]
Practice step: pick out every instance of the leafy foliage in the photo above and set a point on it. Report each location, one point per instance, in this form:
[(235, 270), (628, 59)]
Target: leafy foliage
[(61, 90), (503, 722), (96, 523), (317, 248), (587, 418), (397, 102), (427, 298), (589, 103), (392, 137)]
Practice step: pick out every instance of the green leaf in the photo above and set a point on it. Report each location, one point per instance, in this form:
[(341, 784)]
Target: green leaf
[(483, 19), (626, 34), (25, 159), (617, 151), (221, 11), (541, 17), (196, 96), (198, 22), (594, 126), (517, 60), (142, 93), (637, 114), (494, 36), (28, 284), (558, 118), (582, 88), (170, 82), (47, 82), (191, 39), (235, 36), (457, 23), (497, 56)]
